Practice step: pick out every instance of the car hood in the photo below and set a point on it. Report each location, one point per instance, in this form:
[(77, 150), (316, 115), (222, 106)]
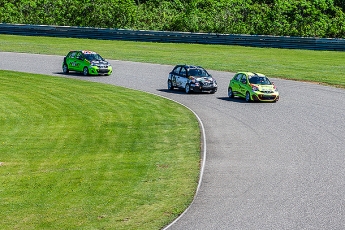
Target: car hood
[(204, 79), (265, 87), (100, 62)]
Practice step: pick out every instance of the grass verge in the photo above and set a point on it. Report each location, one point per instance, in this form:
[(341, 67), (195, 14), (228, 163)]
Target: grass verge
[(82, 155), (325, 67)]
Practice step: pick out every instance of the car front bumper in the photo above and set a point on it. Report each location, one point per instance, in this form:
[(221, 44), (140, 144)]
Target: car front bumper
[(265, 97), (200, 89), (94, 70)]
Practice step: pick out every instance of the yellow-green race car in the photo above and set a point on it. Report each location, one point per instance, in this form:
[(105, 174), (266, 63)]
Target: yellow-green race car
[(86, 62), (253, 87)]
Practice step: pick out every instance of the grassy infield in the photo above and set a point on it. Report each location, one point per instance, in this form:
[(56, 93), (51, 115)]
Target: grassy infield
[(81, 155)]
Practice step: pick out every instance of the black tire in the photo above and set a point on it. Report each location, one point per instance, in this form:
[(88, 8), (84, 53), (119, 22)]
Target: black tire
[(65, 69), (230, 93), (248, 97), (187, 88), (277, 99), (170, 85), (85, 71)]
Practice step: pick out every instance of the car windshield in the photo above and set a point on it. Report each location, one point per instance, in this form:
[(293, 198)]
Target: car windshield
[(198, 73), (93, 57), (259, 80)]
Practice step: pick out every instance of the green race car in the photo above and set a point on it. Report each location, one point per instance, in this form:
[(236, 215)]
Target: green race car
[(86, 62), (253, 87)]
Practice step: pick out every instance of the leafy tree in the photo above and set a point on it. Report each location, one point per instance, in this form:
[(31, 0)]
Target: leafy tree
[(319, 18)]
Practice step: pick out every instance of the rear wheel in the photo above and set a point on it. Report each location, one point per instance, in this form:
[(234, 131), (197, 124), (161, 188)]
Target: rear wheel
[(170, 85), (230, 93), (187, 88), (65, 68), (248, 97), (85, 71)]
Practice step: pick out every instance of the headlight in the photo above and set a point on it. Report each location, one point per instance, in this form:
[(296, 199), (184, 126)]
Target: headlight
[(254, 88)]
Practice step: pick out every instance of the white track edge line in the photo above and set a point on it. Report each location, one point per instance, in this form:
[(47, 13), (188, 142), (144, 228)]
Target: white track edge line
[(203, 151)]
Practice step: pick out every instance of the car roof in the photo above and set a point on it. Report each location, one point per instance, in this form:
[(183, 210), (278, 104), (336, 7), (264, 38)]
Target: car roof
[(84, 51), (253, 74), (189, 66)]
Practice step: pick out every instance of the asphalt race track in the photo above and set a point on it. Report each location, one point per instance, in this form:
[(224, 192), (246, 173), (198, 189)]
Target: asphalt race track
[(268, 166)]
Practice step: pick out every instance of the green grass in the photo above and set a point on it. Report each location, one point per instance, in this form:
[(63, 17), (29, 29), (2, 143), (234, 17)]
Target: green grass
[(326, 67), (82, 155)]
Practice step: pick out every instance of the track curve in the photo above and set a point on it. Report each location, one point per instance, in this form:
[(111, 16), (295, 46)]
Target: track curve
[(269, 165)]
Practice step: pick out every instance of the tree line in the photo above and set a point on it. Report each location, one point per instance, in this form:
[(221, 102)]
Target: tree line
[(306, 18)]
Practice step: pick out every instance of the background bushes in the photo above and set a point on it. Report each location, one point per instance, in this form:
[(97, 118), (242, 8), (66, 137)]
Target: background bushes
[(309, 18)]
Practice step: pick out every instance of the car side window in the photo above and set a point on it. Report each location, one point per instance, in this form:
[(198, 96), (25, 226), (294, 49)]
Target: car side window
[(177, 70), (79, 55), (183, 72), (244, 79), (238, 77), (72, 55)]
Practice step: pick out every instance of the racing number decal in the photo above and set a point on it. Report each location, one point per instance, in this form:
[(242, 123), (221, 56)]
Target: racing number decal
[(75, 64)]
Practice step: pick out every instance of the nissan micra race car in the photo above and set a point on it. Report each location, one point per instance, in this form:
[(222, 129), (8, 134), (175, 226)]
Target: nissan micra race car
[(191, 78), (86, 62), (253, 87)]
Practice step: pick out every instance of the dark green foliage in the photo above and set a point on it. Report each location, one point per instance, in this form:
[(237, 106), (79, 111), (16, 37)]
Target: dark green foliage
[(340, 3), (310, 18), (90, 13)]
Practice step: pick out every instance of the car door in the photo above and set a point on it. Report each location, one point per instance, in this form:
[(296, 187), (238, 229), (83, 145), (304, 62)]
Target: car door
[(235, 83), (174, 75), (182, 79), (70, 60), (243, 85), (79, 62)]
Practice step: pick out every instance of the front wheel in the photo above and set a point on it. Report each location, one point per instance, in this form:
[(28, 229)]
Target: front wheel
[(248, 97), (277, 99), (85, 71), (187, 88), (170, 85)]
